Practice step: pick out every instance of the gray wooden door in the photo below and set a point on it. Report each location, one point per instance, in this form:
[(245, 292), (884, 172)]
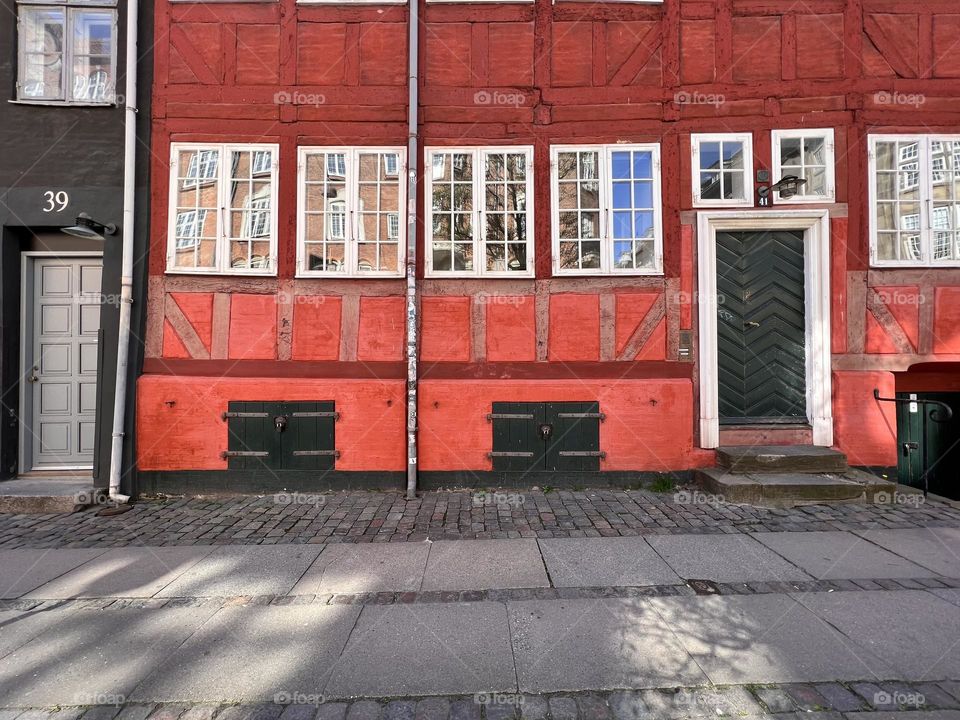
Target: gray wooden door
[(761, 359), (62, 364)]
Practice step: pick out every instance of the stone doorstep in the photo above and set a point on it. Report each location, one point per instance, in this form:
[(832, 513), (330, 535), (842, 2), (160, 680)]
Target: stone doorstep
[(37, 495), (784, 490), (782, 459)]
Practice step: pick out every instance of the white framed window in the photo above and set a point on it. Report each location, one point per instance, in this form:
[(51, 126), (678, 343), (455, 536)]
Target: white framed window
[(914, 200), (67, 52), (808, 154), (349, 206), (722, 167), (479, 211), (606, 209), (223, 201)]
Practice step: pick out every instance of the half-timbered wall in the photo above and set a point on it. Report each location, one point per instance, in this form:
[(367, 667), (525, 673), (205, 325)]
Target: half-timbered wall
[(535, 74)]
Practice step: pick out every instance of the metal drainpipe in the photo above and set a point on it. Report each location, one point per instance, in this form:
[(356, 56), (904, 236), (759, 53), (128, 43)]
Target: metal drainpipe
[(126, 271), (413, 157)]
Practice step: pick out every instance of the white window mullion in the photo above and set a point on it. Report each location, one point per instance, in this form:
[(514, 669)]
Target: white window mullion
[(925, 189), (479, 210), (351, 249), (224, 179), (605, 175)]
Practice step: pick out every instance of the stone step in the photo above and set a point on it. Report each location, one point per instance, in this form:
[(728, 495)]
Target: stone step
[(771, 489), (782, 459), (45, 495)]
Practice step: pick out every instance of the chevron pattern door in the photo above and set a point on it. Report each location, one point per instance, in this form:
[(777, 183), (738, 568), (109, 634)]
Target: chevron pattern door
[(761, 327)]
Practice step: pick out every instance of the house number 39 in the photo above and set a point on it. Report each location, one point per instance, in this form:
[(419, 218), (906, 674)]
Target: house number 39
[(55, 201)]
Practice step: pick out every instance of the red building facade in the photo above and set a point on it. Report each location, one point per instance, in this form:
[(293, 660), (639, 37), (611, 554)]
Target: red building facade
[(578, 167)]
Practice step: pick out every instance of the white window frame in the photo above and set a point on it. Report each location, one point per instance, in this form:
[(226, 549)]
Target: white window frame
[(479, 153), (928, 231), (70, 9), (223, 179), (352, 216), (696, 140), (829, 149), (605, 180)]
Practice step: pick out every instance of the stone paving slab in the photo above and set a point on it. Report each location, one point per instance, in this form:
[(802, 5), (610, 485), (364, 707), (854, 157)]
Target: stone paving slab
[(913, 631), (405, 650), (18, 627), (388, 516), (484, 565), (241, 570), (126, 572), (366, 568), (935, 548), (88, 654), (951, 595), (765, 639), (598, 562), (24, 570), (833, 555), (726, 559), (596, 644), (252, 653)]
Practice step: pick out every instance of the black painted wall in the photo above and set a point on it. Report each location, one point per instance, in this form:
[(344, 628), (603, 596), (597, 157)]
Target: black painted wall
[(78, 150)]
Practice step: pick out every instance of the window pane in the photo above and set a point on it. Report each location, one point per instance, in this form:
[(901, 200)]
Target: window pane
[(504, 221), (709, 155), (814, 151), (379, 198), (325, 207), (41, 61), (250, 210), (790, 151), (733, 155), (197, 211), (92, 55)]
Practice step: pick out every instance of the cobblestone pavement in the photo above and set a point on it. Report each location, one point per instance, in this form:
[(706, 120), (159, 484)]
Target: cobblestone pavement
[(388, 517), (816, 701)]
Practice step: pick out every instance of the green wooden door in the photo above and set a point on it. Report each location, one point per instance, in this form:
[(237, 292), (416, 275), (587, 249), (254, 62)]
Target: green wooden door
[(929, 448), (761, 359)]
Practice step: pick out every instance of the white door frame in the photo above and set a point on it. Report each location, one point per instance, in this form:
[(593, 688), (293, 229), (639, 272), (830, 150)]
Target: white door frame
[(815, 225), (26, 351)]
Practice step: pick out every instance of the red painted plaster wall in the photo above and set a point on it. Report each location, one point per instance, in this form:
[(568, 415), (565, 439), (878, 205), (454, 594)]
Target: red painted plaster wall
[(649, 424), (179, 425), (865, 429)]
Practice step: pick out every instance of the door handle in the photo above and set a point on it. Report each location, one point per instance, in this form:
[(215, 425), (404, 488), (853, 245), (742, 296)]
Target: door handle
[(32, 377), (751, 323)]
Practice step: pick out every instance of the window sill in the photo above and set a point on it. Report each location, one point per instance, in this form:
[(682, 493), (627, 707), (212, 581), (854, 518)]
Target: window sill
[(474, 276), (221, 273), (901, 265), (344, 276), (600, 274), (797, 200), (64, 103)]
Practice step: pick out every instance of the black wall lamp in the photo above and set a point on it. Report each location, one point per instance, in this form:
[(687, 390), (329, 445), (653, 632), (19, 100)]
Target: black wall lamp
[(788, 186), (89, 229)]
